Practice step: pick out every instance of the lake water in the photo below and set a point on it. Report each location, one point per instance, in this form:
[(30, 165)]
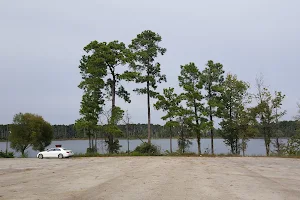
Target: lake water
[(255, 146)]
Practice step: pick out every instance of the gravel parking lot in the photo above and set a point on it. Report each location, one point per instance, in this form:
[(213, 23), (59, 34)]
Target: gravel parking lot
[(151, 178)]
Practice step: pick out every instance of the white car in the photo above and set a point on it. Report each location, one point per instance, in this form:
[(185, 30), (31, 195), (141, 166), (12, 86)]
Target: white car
[(55, 153)]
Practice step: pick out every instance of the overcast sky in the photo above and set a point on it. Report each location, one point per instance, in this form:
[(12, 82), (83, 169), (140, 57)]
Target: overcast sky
[(41, 44)]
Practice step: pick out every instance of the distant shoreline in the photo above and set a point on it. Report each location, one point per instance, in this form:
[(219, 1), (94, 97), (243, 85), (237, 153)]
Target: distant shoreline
[(65, 139)]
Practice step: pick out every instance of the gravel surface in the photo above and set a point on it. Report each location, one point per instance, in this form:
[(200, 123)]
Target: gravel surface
[(155, 178)]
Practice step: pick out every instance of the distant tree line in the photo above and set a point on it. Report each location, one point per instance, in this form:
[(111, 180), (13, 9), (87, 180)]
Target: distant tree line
[(136, 131)]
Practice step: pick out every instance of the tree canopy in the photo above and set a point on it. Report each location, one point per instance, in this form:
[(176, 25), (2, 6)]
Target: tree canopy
[(30, 130)]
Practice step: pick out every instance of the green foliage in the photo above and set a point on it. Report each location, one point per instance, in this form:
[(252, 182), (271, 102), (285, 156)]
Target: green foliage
[(114, 146), (144, 50), (8, 155), (112, 130), (235, 117), (185, 131), (292, 148), (268, 112), (146, 148), (169, 102), (30, 130), (91, 150), (110, 56), (183, 144), (190, 80), (213, 77)]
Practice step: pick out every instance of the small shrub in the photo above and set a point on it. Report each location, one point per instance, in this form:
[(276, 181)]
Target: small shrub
[(292, 148), (114, 147), (25, 155), (8, 155), (148, 149), (91, 150)]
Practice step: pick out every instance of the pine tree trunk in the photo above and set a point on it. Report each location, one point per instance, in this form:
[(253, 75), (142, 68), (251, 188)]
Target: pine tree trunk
[(267, 143), (237, 146), (90, 143), (113, 106), (199, 145), (277, 145), (211, 131), (198, 130), (128, 149), (182, 140), (170, 139), (149, 114), (96, 142)]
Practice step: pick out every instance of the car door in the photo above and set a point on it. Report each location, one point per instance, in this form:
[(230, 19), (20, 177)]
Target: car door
[(58, 151), (54, 153), (47, 153)]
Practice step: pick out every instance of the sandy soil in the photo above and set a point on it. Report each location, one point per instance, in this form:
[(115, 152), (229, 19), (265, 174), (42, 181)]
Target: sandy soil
[(151, 178)]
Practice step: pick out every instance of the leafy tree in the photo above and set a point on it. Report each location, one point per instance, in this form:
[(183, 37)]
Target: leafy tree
[(145, 48), (169, 102), (268, 111), (213, 78), (232, 111), (190, 81), (102, 61), (112, 129), (30, 130), (42, 137), (277, 103), (93, 70), (184, 131), (246, 126)]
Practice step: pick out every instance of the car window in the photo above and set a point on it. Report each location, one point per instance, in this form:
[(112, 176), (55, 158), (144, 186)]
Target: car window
[(58, 150)]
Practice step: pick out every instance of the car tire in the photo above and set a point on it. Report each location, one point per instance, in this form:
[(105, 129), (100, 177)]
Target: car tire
[(40, 156), (60, 156)]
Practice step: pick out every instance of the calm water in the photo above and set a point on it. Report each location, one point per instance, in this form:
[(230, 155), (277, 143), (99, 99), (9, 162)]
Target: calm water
[(255, 146)]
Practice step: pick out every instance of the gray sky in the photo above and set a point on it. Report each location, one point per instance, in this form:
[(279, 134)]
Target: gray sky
[(41, 44)]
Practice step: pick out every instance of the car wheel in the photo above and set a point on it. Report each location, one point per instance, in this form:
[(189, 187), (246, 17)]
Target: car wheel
[(40, 156), (60, 156)]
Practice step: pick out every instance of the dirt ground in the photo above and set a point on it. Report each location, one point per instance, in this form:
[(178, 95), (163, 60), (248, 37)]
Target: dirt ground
[(151, 178)]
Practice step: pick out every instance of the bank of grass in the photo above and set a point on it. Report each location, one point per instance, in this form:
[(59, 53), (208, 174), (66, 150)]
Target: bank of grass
[(114, 155), (176, 154)]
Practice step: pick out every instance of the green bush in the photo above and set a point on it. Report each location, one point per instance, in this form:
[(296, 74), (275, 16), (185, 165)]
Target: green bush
[(148, 149), (91, 150), (8, 155), (24, 155), (292, 148)]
